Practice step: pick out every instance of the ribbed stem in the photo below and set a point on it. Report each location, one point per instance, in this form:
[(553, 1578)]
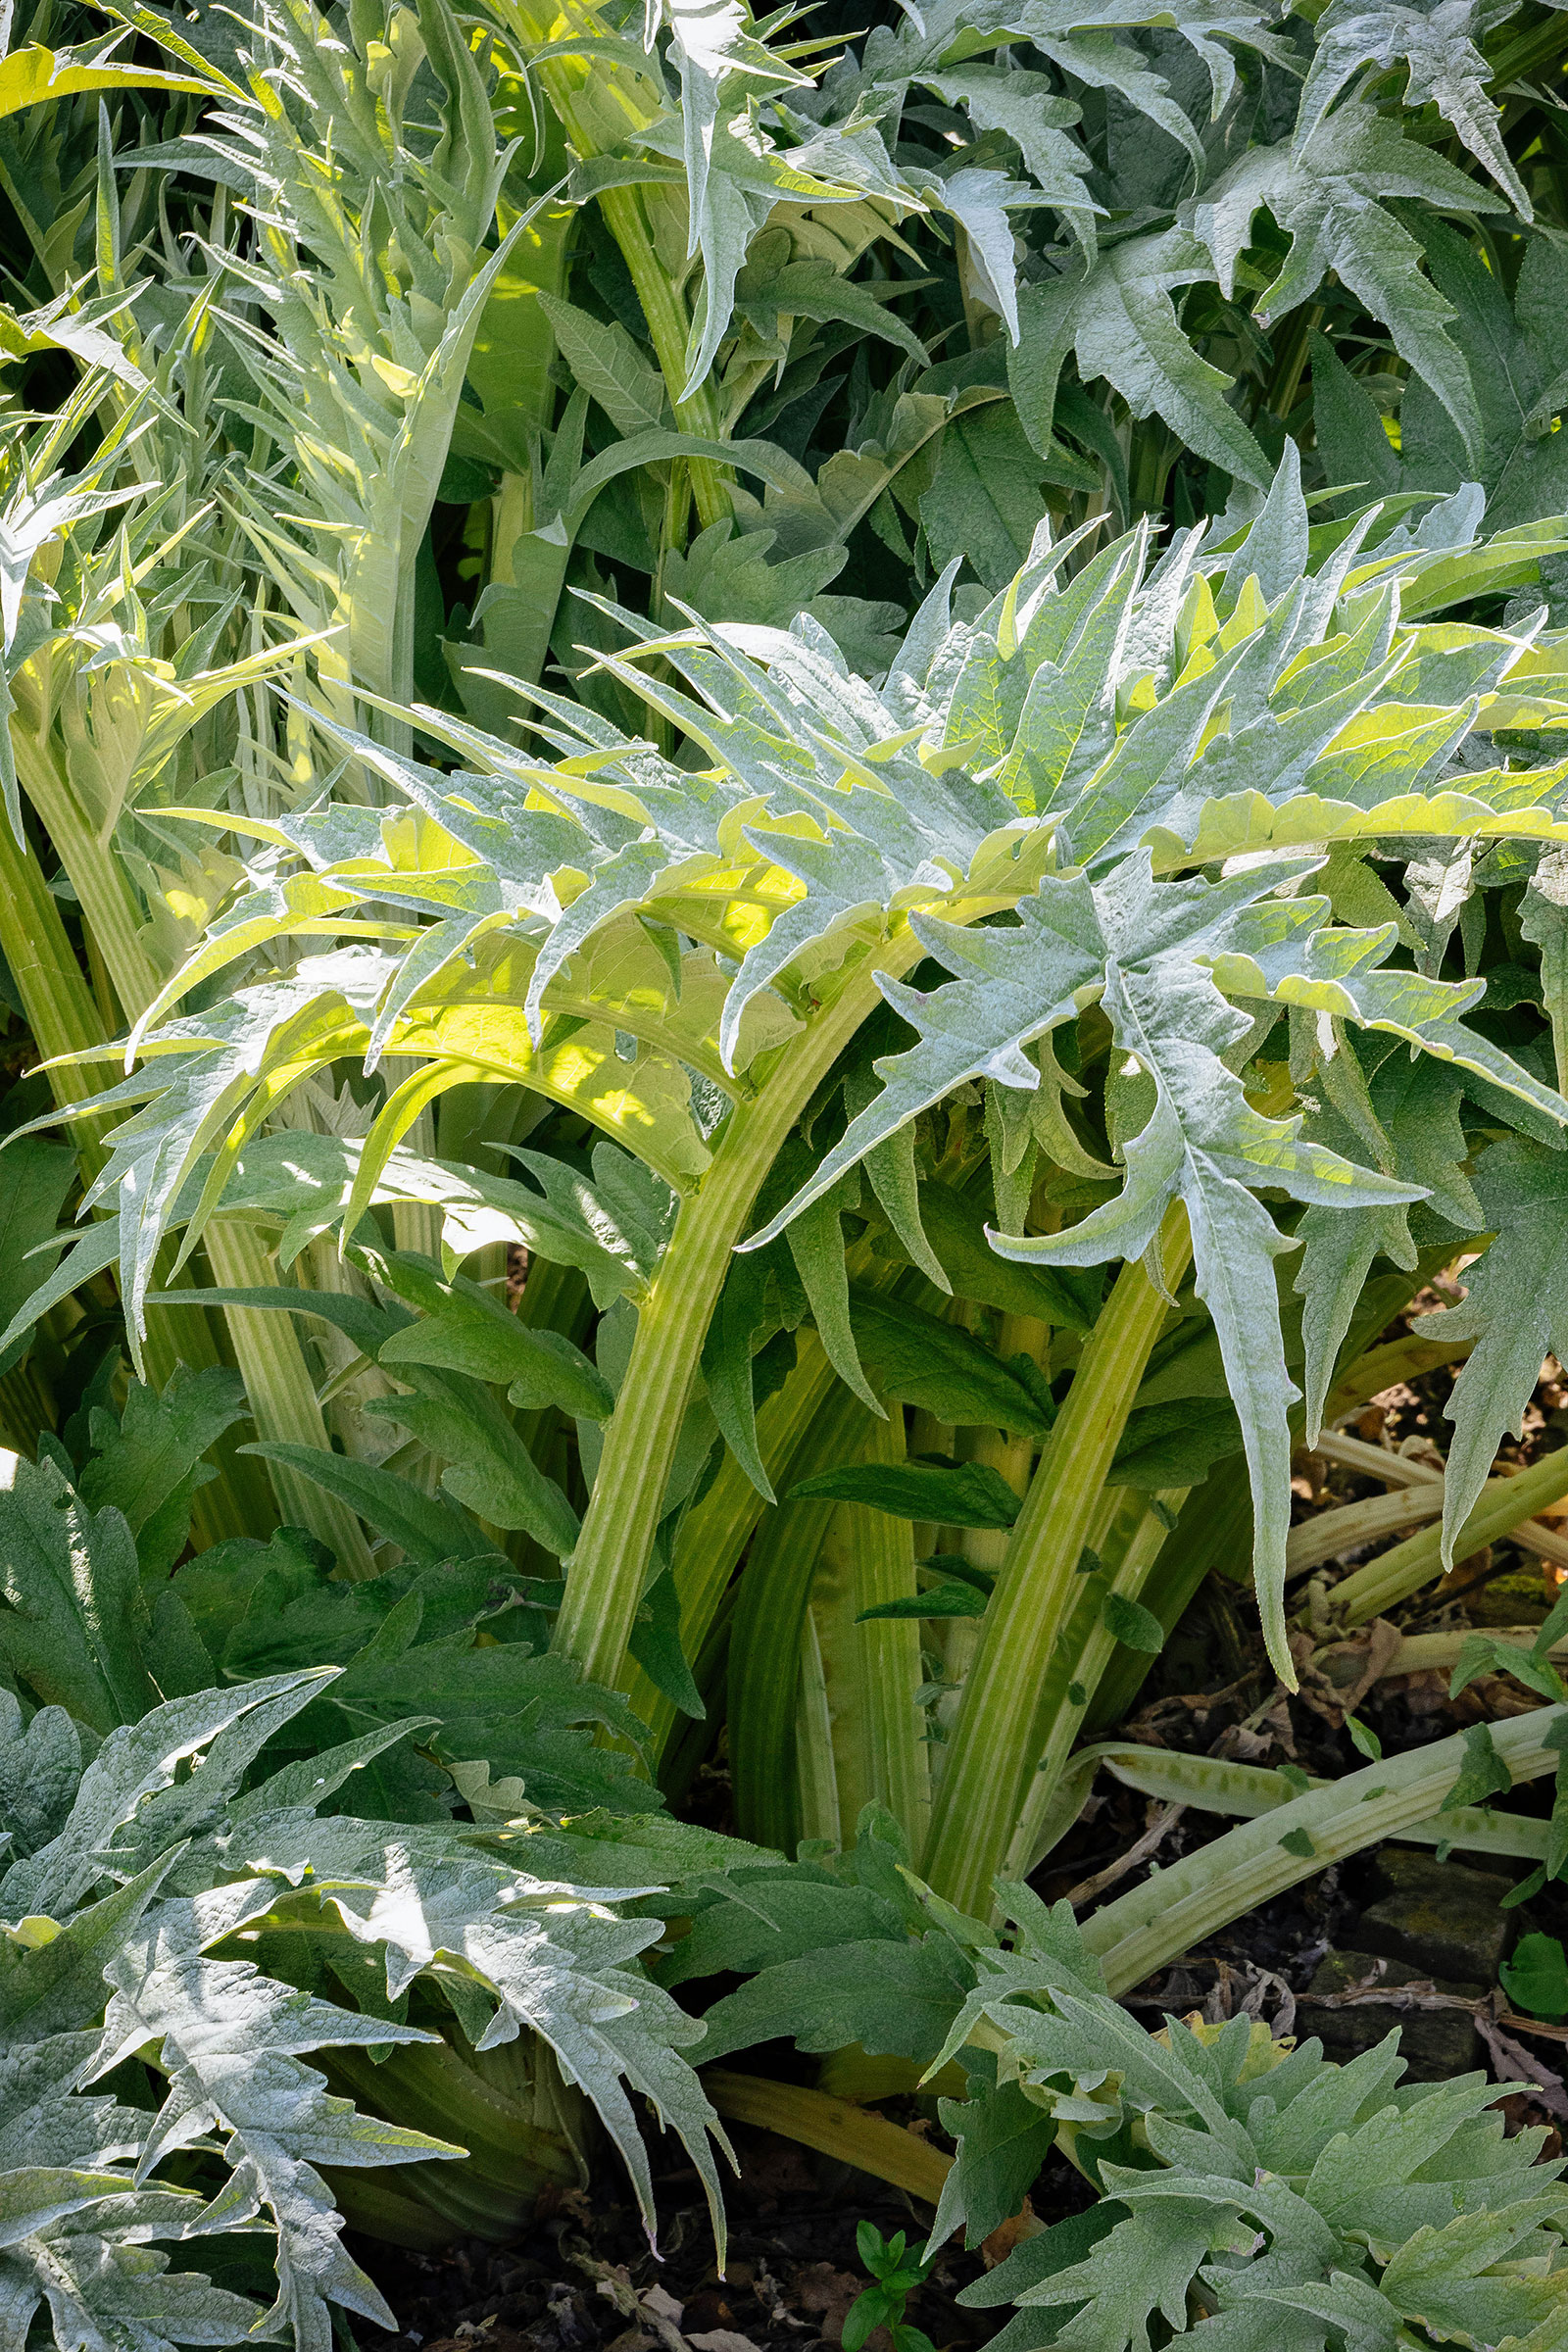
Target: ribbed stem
[(1405, 1567), (64, 1018), (55, 995), (669, 325), (771, 1615), (715, 1530), (998, 1734), (281, 1393), (1132, 1553), (605, 1575), (1156, 1923), (884, 1656), (109, 912), (982, 1547), (815, 1784)]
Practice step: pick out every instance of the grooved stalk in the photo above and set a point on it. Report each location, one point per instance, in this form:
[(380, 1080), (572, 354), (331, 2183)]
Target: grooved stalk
[(605, 1575), (1084, 1654), (64, 1019), (816, 1786), (1155, 1924), (281, 1394), (884, 1654), (668, 326), (108, 911), (997, 1735), (59, 1004), (766, 1648), (715, 1531), (834, 2127), (1405, 1567)]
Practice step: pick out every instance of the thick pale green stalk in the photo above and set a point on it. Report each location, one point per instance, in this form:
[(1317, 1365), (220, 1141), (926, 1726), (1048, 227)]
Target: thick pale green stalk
[(64, 1019), (1405, 1568), (766, 1644), (1439, 1653), (986, 1548), (834, 2128), (828, 1745), (109, 912), (815, 1782), (281, 1393), (997, 1733), (765, 1669), (523, 2129), (715, 1531), (1214, 1784), (279, 1387), (1156, 1923), (669, 325), (605, 1575), (1048, 1812), (878, 1727), (57, 1001), (1139, 1536)]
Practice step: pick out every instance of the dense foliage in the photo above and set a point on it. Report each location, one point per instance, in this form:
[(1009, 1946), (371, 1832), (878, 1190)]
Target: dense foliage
[(782, 838), (217, 1927), (989, 775)]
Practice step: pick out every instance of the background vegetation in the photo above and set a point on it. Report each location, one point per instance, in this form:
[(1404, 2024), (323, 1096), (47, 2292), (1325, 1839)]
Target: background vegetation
[(784, 852)]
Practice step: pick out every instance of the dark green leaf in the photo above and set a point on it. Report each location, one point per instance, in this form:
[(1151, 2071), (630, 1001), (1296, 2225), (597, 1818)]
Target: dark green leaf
[(1004, 2139), (1482, 1775), (1138, 1627), (954, 1225), (1175, 1444), (74, 1619), (814, 289), (894, 1999), (947, 1599), (656, 1645), (970, 1494), (426, 1527), (988, 494), (470, 1333), (949, 1372), (728, 1353), (35, 1174), (489, 1468), (770, 1919), (1536, 1977), (150, 1465), (523, 1715)]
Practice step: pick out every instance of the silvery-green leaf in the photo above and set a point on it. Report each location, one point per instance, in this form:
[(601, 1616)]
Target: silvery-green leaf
[(1513, 1310), (1119, 319), (1328, 197), (135, 1763)]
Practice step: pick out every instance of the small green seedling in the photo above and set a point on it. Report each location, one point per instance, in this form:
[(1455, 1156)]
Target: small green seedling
[(897, 2275)]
